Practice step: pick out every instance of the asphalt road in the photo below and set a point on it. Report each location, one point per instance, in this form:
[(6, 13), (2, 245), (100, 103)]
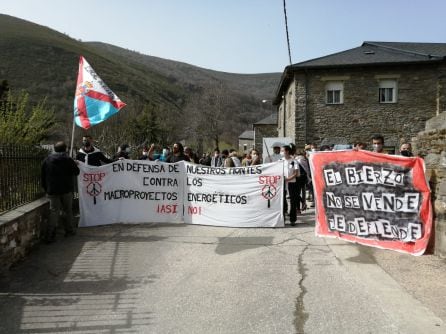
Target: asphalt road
[(172, 278)]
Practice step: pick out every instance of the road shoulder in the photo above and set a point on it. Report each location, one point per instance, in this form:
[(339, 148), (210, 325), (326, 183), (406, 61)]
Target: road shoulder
[(409, 313)]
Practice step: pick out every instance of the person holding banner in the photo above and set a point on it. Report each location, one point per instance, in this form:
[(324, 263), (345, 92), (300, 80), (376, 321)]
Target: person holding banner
[(276, 156), (360, 146), (378, 144), (91, 155), (406, 150), (291, 172)]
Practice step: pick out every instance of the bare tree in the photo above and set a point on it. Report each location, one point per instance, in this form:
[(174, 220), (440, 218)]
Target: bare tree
[(207, 109)]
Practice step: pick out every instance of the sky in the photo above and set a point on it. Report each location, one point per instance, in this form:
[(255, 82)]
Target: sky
[(238, 36)]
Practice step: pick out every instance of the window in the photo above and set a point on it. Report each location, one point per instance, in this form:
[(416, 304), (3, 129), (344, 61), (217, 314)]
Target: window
[(334, 93), (387, 91)]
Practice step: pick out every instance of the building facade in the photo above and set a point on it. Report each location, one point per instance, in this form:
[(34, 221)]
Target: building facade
[(246, 141), (265, 128), (379, 87)]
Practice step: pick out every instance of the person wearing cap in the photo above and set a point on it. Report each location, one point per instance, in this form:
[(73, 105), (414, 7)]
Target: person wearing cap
[(276, 156), (291, 172)]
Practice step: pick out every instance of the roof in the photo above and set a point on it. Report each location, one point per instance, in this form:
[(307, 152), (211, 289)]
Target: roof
[(248, 134), (380, 53), (369, 54), (271, 119)]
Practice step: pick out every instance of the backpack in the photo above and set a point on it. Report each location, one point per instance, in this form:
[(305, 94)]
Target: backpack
[(229, 162)]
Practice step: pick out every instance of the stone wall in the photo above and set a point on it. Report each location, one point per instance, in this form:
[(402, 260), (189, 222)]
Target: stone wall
[(241, 144), (287, 113), (290, 119), (301, 99), (431, 144), (20, 230), (361, 115)]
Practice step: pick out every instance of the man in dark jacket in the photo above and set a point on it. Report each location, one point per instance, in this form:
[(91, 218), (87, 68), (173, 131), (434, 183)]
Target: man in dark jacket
[(217, 160), (91, 155), (58, 177)]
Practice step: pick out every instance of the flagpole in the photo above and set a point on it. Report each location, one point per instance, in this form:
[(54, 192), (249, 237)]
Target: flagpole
[(72, 138), (267, 151)]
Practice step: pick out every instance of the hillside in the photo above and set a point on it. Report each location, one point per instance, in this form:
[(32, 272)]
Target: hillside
[(191, 103), (262, 86)]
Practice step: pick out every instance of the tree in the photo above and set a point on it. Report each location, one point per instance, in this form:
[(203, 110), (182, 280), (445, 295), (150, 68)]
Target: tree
[(4, 89), (143, 124), (24, 124), (145, 128), (207, 110)]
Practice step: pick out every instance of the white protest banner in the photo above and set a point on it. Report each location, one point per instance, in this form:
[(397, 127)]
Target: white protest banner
[(130, 191), (134, 191), (237, 197)]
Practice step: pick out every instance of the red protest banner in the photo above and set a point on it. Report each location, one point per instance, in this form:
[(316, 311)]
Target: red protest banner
[(372, 199)]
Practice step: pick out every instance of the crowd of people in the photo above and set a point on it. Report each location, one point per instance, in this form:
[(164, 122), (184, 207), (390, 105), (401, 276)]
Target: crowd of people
[(297, 170), (59, 170), (377, 143), (93, 156)]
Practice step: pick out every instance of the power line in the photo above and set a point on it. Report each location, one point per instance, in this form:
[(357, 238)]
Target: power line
[(286, 28)]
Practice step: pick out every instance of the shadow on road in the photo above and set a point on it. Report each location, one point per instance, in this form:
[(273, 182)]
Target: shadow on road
[(67, 287), (231, 245)]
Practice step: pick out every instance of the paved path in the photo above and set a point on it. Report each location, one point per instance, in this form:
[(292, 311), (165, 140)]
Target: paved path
[(171, 278)]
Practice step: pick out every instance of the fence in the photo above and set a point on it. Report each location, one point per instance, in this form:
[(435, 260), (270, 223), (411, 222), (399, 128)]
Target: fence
[(20, 175)]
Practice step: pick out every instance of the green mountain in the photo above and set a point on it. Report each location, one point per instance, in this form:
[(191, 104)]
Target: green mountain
[(261, 86), (193, 104)]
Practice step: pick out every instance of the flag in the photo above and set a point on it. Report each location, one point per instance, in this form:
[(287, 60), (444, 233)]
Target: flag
[(94, 102)]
